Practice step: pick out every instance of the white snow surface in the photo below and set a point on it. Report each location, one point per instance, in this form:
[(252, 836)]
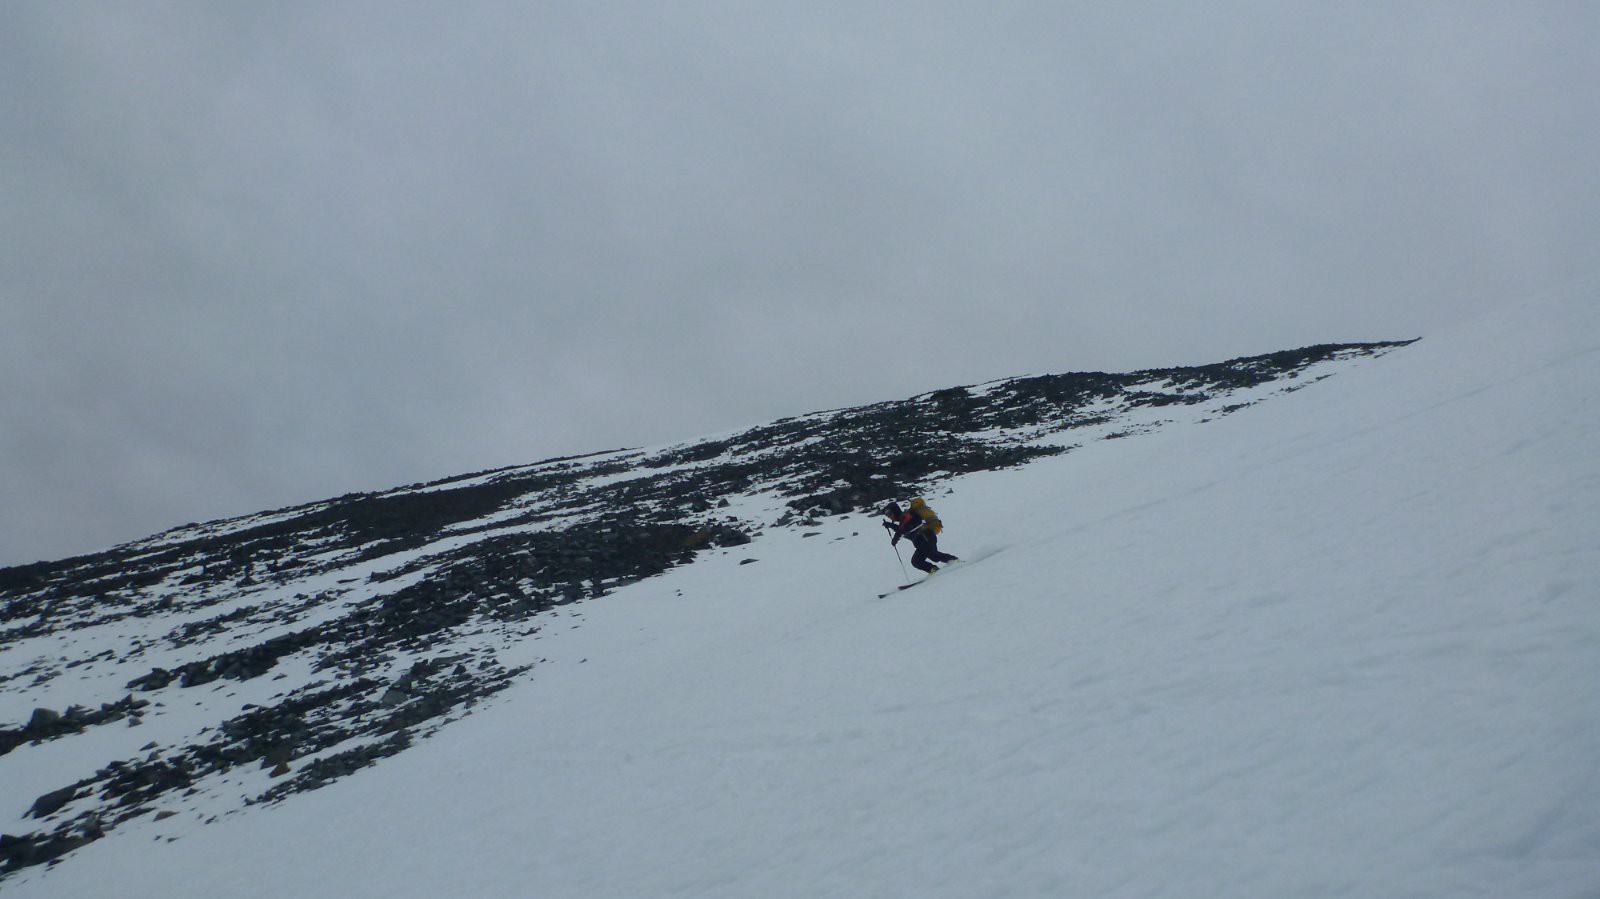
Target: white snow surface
[(1344, 643)]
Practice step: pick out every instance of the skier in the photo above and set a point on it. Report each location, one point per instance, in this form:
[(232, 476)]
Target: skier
[(923, 527)]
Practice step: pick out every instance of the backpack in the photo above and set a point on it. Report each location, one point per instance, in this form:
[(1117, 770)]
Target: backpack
[(930, 521)]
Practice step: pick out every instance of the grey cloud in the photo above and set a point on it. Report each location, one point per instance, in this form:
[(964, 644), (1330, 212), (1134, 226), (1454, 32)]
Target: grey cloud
[(260, 255)]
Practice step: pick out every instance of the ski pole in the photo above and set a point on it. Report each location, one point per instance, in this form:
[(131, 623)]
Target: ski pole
[(903, 570)]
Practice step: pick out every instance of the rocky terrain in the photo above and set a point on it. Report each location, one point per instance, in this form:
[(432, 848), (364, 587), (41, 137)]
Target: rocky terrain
[(271, 654)]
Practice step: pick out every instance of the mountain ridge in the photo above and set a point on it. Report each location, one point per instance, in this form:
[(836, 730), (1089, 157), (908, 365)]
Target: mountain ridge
[(388, 612)]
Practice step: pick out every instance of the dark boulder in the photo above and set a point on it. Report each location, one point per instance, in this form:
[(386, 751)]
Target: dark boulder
[(51, 802)]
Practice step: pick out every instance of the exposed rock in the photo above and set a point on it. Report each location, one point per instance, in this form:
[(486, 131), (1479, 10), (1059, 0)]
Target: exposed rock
[(43, 719), (51, 802)]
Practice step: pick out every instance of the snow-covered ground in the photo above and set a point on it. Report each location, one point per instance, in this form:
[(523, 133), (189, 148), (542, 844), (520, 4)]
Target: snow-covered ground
[(1345, 643)]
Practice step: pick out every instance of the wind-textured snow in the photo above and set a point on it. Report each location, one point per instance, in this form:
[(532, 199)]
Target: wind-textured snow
[(1345, 643)]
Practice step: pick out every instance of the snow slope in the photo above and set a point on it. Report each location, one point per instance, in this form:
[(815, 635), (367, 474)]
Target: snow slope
[(1341, 644)]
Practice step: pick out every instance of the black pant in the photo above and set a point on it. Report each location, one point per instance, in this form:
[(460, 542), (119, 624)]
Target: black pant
[(927, 548)]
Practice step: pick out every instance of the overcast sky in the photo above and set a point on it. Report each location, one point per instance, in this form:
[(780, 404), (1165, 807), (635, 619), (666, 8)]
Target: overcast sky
[(257, 254)]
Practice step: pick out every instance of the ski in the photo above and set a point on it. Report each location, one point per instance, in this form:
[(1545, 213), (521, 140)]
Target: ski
[(962, 562)]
